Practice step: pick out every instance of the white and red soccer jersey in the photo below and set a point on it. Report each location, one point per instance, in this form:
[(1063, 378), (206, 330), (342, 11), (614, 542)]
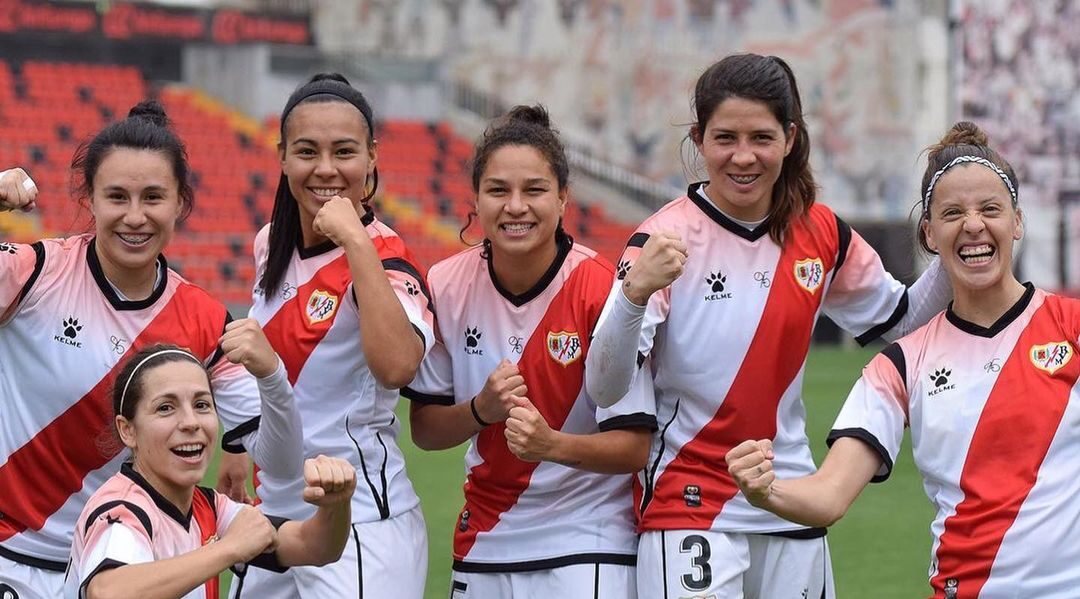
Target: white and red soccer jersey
[(314, 325), (728, 342), (63, 333), (128, 522), (993, 415), (525, 515)]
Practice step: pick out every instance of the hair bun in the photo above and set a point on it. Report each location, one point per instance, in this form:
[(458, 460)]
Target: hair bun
[(537, 115), (963, 133), (150, 110)]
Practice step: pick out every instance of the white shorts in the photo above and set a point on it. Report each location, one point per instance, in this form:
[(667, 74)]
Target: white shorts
[(674, 563), (19, 581), (576, 581), (383, 559)]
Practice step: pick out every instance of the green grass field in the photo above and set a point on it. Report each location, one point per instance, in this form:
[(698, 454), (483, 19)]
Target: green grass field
[(880, 549)]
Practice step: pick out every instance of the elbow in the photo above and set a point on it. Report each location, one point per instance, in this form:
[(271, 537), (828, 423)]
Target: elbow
[(395, 376), (828, 516)]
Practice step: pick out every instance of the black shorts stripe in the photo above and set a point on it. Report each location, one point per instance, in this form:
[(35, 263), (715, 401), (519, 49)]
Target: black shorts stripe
[(618, 559), (663, 560), (799, 535), (359, 562)]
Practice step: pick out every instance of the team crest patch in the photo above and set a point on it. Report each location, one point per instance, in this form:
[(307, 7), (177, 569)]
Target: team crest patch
[(809, 273), (321, 306), (564, 347), (1052, 356)]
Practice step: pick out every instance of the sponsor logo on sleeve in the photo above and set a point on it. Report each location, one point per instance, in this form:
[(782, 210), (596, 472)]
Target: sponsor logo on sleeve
[(809, 273)]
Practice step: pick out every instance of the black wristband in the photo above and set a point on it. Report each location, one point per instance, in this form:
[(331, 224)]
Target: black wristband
[(475, 414)]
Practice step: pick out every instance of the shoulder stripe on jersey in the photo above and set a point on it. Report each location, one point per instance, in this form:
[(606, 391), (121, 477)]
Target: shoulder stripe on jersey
[(382, 501), (135, 510), (650, 473), (843, 234), (637, 420), (566, 243), (33, 562), (697, 197), (1006, 319), (110, 293), (879, 330), (39, 265), (895, 354), (426, 398), (866, 437), (617, 559), (402, 265), (637, 240), (230, 441)]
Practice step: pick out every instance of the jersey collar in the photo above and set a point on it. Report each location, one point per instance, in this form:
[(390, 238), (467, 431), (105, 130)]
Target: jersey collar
[(697, 195), (166, 506), (563, 242), (1006, 319), (107, 290)]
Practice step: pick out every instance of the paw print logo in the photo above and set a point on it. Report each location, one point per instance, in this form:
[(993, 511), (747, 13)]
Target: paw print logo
[(71, 327), (7, 247), (940, 377), (716, 281), (410, 288), (622, 269), (472, 337)]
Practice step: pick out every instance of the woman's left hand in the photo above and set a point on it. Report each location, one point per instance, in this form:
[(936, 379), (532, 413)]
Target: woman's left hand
[(338, 221), (528, 435), (244, 343), (329, 481)]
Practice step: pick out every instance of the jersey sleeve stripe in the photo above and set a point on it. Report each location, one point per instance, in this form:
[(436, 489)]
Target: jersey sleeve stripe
[(219, 352), (879, 330), (230, 441), (39, 265), (105, 565), (843, 233), (135, 510), (637, 240), (624, 421), (426, 398), (866, 437)]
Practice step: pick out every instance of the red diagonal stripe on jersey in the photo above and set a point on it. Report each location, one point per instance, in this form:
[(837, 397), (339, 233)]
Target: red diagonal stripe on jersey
[(206, 516), (68, 448), (775, 356), (291, 333), (1014, 432), (494, 486)]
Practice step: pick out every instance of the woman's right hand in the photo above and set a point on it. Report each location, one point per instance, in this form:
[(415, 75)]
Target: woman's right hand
[(244, 342), (661, 261), (494, 401), (17, 191), (750, 464), (250, 534)]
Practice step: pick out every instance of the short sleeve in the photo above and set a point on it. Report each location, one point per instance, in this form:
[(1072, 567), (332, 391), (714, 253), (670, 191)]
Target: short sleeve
[(876, 410), (117, 534), (637, 409), (863, 298), (434, 382), (20, 266), (412, 291)]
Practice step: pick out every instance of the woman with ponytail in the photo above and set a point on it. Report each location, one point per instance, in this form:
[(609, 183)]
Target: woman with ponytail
[(70, 311), (719, 292), (343, 302), (989, 390), (548, 500)]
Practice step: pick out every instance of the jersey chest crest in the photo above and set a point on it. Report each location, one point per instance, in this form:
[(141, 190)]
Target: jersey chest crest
[(809, 273), (564, 346), (321, 306), (1051, 357)]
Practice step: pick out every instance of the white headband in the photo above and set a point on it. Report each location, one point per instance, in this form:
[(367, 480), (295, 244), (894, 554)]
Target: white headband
[(123, 394), (960, 160)]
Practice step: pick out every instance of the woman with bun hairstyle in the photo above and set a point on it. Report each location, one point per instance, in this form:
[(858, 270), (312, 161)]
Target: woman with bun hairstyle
[(150, 532), (71, 309), (548, 497), (344, 303), (989, 390), (720, 291)]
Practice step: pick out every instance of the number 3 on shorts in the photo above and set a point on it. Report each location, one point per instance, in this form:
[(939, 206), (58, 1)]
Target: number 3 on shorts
[(700, 576)]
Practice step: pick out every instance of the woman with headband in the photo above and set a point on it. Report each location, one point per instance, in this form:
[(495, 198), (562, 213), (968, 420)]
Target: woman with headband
[(71, 309), (344, 304), (989, 390), (151, 533), (720, 292)]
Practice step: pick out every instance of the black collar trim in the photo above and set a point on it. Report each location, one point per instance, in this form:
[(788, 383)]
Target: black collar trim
[(696, 193), (107, 289), (319, 249), (166, 506), (1006, 319), (564, 243)]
